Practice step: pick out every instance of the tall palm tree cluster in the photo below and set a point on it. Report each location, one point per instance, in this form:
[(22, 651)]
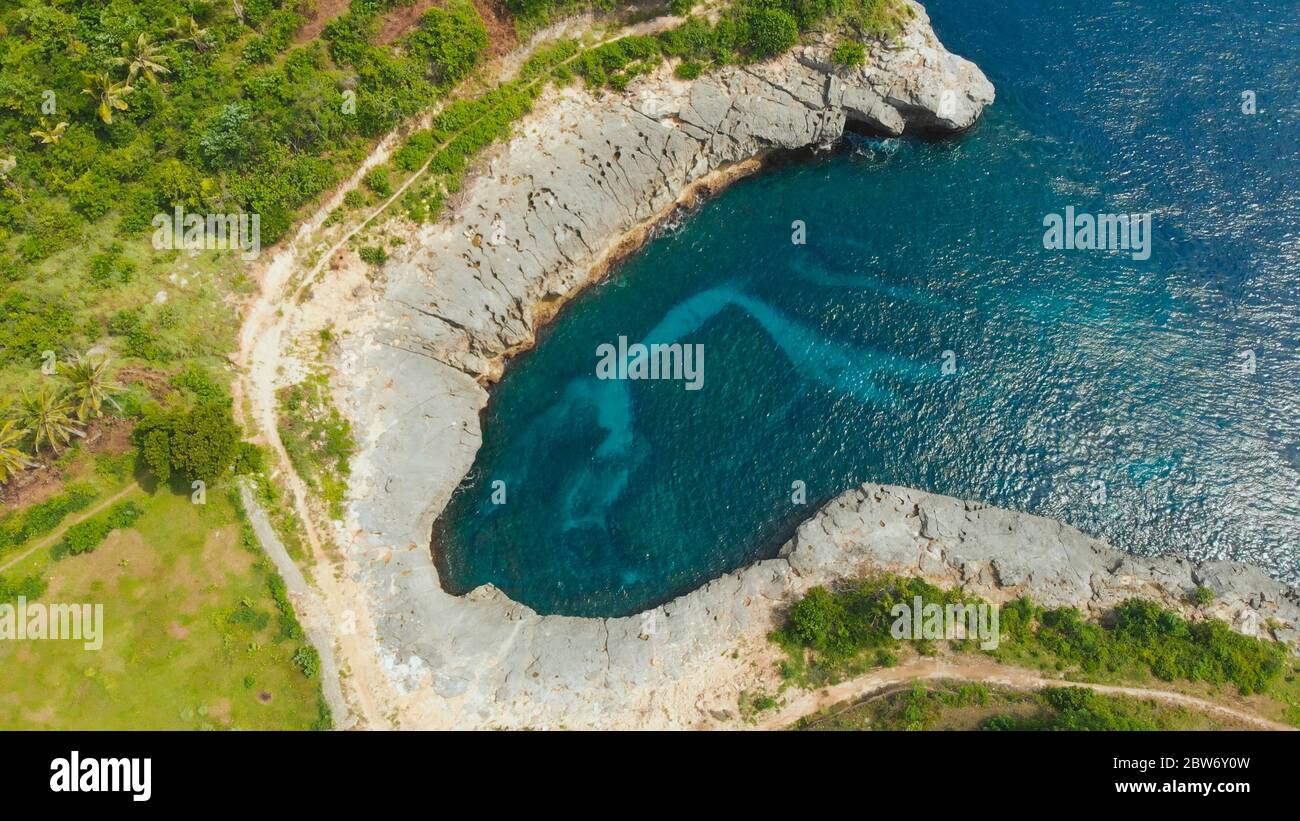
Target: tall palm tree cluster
[(142, 58), (51, 417)]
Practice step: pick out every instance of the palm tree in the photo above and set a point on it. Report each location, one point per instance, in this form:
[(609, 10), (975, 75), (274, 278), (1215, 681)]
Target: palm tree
[(92, 384), (49, 135), (109, 93), (12, 460), (186, 30), (47, 416), (141, 57)]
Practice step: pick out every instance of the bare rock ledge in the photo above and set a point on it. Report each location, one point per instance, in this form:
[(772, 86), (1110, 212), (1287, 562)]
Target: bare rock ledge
[(551, 207)]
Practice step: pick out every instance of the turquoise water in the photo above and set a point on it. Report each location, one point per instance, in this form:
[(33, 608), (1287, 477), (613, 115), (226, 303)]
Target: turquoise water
[(1106, 391)]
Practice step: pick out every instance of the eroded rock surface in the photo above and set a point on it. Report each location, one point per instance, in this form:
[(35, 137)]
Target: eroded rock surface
[(548, 209)]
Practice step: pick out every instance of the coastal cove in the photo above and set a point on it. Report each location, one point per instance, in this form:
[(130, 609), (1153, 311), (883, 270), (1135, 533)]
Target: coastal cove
[(826, 367), (559, 203)]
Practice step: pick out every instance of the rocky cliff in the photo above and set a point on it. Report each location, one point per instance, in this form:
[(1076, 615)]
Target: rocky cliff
[(554, 205)]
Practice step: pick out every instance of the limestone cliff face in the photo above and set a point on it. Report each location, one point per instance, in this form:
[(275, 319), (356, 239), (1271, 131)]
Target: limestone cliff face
[(550, 207), (594, 169)]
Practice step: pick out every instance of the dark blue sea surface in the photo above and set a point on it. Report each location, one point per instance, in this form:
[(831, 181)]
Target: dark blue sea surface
[(1113, 393)]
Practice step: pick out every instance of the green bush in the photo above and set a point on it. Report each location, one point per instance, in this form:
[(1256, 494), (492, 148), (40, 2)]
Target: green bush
[(377, 180), (688, 69), (29, 587), (289, 626), (1142, 633), (84, 537), (769, 31), (196, 443), (451, 40), (848, 53), (853, 624), (18, 527), (308, 660)]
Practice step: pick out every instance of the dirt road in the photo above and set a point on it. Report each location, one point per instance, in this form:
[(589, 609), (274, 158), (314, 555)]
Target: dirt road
[(984, 671)]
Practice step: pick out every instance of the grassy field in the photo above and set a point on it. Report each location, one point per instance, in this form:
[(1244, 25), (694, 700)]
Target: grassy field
[(192, 636)]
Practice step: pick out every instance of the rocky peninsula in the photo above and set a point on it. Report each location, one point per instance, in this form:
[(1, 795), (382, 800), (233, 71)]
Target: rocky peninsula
[(580, 185)]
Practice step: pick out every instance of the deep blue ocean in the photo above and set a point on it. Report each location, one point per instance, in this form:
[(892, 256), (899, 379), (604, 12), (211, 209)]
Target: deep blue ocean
[(1155, 403)]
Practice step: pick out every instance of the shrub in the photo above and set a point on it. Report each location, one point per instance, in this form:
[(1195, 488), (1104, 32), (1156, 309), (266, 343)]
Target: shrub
[(29, 587), (769, 31), (848, 53), (227, 138), (289, 626), (376, 179), (373, 255), (42, 517), (688, 69), (451, 40), (308, 660), (84, 537), (198, 443)]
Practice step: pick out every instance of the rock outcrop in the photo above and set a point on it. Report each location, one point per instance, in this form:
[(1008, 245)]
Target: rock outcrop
[(592, 171), (551, 207)]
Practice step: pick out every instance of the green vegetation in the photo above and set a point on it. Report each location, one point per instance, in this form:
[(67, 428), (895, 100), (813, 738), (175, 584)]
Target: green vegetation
[(948, 705), (195, 443), (20, 526), (87, 535), (747, 31), (317, 438), (28, 587), (832, 635), (751, 705), (189, 614), (1080, 708), (1142, 636), (848, 53), (117, 113), (829, 635)]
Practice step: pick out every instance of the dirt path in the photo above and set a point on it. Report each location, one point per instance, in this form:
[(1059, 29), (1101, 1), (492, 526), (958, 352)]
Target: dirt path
[(265, 336), (54, 535), (305, 601), (984, 671)]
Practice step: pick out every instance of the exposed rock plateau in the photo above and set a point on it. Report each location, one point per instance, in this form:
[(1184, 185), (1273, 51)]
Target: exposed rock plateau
[(550, 208)]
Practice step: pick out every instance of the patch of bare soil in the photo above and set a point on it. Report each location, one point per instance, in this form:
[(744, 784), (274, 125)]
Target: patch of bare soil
[(322, 11), (496, 18), (221, 552), (500, 26), (219, 711), (156, 382), (32, 486), (123, 554), (401, 20), (109, 435)]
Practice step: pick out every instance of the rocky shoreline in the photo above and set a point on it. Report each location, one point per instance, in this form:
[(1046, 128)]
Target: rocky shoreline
[(581, 184)]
